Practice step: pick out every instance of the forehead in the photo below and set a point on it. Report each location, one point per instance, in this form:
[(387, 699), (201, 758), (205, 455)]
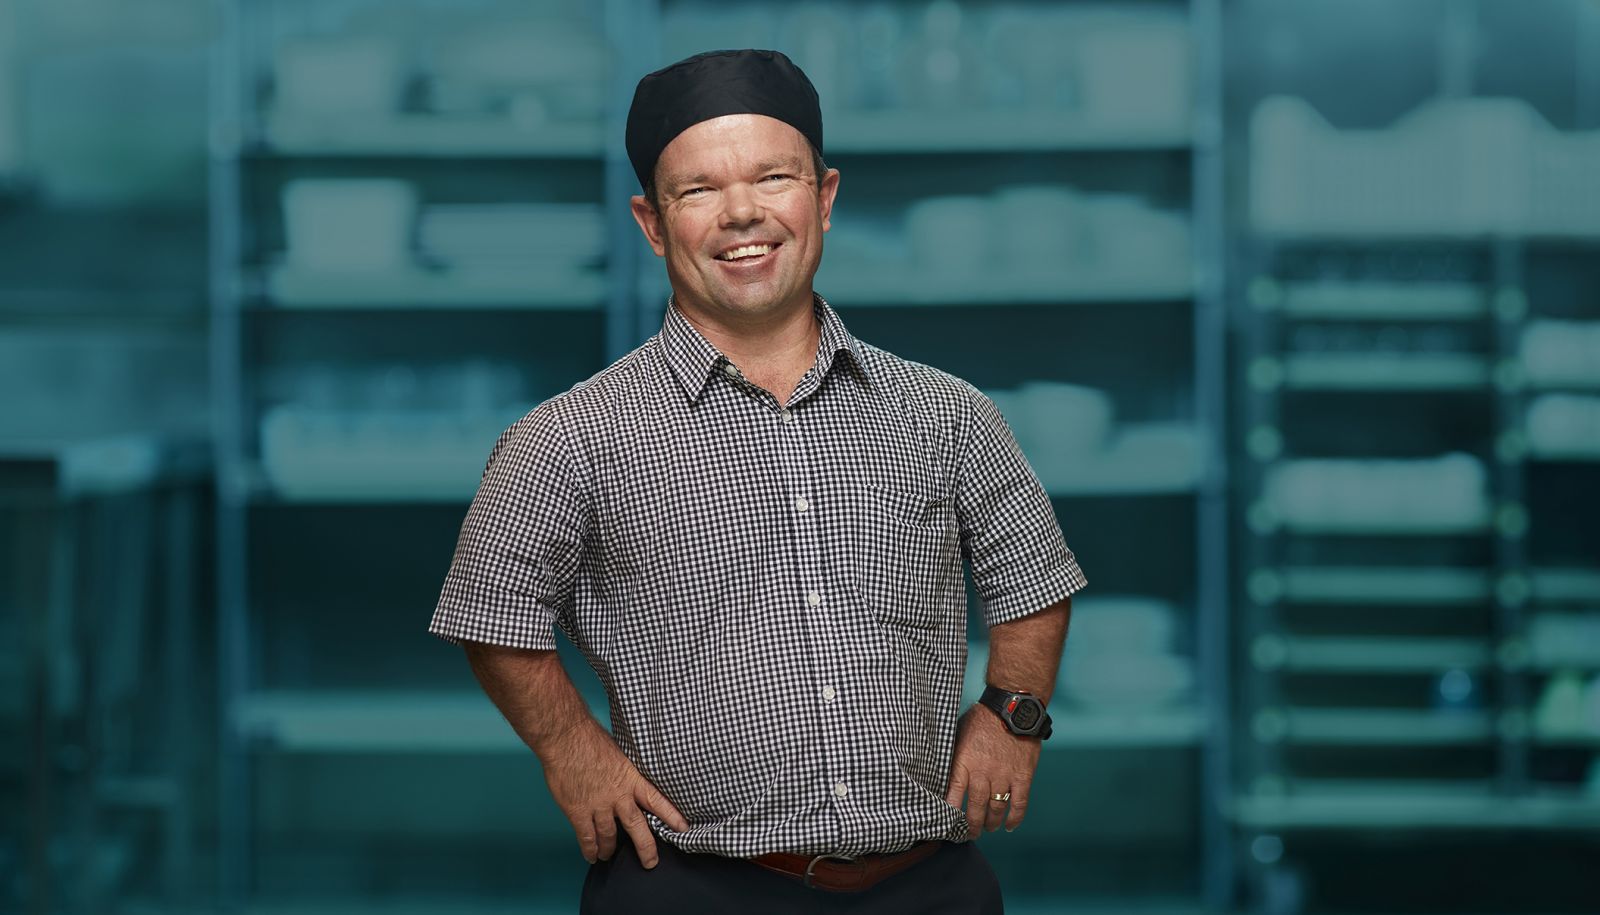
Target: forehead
[(732, 143)]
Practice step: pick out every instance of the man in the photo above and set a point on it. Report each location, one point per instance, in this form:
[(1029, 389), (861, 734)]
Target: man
[(752, 526)]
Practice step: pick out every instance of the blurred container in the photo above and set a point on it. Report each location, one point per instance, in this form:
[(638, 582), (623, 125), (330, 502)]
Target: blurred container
[(345, 76), (1122, 624), (952, 236), (1452, 166), (1591, 706), (1136, 74), (1165, 454), (1560, 711), (1564, 426), (939, 68), (343, 225), (1556, 639), (1124, 683), (1061, 420), (510, 235), (1558, 353), (821, 42), (1449, 492), (1029, 61), (534, 71), (1130, 238), (1043, 226)]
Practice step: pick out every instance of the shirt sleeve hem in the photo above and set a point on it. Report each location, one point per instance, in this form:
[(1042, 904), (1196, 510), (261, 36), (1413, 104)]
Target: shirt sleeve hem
[(456, 626), (1063, 582)]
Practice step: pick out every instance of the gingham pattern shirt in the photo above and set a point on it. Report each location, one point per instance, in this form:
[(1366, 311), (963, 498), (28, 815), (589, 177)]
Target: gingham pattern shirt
[(771, 595)]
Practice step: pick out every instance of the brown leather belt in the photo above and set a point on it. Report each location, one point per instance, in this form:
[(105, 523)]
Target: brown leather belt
[(841, 874)]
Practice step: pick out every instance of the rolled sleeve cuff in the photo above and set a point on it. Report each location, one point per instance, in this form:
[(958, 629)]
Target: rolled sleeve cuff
[(1049, 589), (513, 622)]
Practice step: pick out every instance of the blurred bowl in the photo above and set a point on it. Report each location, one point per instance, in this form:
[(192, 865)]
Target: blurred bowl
[(1064, 419), (1120, 625), (1127, 684), (359, 224), (951, 236)]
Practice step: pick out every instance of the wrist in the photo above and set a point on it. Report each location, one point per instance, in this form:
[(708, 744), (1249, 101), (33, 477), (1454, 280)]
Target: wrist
[(1022, 713)]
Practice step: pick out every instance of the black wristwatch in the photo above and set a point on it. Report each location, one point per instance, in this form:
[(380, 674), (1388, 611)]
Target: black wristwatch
[(1023, 714)]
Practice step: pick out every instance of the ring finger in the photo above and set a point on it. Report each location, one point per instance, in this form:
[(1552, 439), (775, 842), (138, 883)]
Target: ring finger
[(996, 814)]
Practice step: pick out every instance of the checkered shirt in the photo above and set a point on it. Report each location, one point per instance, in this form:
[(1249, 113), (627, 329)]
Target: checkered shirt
[(771, 595)]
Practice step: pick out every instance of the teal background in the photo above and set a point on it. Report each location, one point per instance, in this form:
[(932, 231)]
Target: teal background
[(1294, 307)]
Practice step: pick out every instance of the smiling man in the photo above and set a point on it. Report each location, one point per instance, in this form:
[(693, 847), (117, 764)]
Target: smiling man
[(753, 527)]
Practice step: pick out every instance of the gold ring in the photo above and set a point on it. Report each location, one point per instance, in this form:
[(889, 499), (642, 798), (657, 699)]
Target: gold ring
[(1000, 797)]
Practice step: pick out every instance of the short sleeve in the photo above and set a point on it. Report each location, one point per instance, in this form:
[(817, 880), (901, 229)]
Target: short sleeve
[(517, 555), (1009, 533)]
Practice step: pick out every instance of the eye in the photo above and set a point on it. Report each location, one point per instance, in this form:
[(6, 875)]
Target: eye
[(694, 191), (780, 176)]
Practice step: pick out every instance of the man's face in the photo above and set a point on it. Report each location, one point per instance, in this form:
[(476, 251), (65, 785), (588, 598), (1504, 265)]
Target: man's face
[(741, 215)]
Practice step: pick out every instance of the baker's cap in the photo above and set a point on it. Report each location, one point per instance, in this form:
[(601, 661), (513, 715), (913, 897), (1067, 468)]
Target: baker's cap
[(710, 85)]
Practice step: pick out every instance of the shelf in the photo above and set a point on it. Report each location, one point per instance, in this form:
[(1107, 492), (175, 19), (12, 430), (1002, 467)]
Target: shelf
[(429, 136), (893, 132), (1587, 456), (1381, 806), (1369, 654), (313, 721), (1586, 663), (1566, 585), (310, 483), (1384, 585), (852, 284), (442, 722), (1383, 727), (1363, 372), (1581, 385), (1417, 527), (571, 290), (1112, 483), (1421, 301), (1585, 741)]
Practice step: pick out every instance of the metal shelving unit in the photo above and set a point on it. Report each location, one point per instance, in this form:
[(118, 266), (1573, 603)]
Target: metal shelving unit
[(277, 322), (1390, 572), (1423, 584)]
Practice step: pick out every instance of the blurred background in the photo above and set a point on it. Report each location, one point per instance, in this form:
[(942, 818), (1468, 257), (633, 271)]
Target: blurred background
[(1294, 306)]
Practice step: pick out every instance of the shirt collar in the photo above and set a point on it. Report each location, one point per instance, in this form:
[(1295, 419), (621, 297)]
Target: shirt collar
[(693, 358)]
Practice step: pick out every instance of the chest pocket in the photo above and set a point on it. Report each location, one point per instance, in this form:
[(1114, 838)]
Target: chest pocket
[(906, 553)]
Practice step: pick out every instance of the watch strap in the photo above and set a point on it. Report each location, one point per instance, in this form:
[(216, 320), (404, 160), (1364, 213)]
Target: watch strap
[(998, 700)]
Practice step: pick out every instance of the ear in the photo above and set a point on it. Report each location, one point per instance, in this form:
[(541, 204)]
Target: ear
[(827, 189), (649, 223)]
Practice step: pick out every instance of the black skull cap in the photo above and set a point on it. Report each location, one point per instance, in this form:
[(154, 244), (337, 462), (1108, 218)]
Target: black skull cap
[(710, 85)]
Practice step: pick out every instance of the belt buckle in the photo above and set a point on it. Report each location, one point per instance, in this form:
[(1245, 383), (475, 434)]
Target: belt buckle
[(806, 880)]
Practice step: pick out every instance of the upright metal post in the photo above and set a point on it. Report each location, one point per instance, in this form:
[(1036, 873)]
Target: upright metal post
[(1211, 534)]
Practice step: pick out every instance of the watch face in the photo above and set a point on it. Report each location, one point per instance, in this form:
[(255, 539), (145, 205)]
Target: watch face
[(1026, 714)]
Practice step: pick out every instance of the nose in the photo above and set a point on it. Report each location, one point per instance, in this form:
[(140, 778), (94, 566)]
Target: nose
[(740, 207)]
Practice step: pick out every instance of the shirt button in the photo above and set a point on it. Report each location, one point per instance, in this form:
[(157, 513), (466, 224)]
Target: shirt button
[(787, 415), (801, 504), (813, 598), (841, 789), (828, 692), (731, 369)]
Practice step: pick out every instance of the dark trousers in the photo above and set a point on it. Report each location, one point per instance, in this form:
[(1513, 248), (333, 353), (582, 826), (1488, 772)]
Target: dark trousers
[(955, 880)]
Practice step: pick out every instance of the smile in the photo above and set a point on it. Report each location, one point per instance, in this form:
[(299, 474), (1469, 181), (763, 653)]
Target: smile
[(744, 252)]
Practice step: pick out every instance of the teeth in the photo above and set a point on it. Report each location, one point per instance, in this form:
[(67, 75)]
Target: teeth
[(746, 251)]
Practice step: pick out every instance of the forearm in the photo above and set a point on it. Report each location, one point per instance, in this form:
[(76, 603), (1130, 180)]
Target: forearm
[(1025, 654), (532, 691)]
